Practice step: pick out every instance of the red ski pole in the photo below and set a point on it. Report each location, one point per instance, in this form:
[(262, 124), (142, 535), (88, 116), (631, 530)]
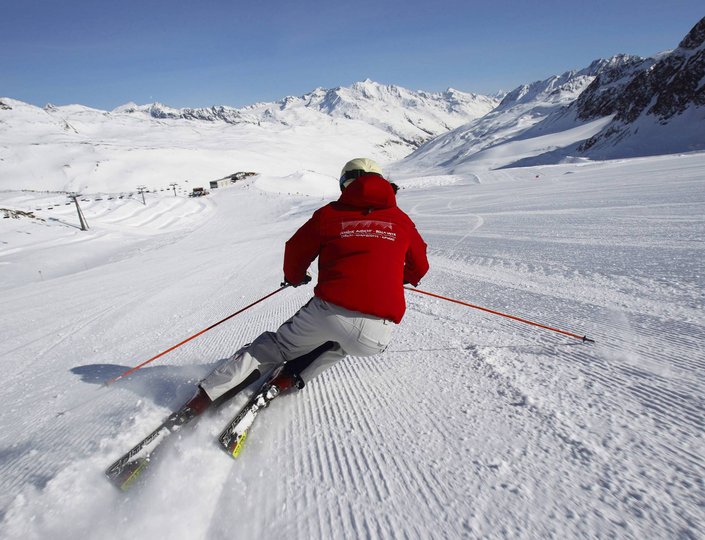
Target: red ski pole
[(582, 338), (132, 370)]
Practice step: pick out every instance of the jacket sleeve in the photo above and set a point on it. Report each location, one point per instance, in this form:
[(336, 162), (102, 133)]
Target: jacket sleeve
[(301, 250), (416, 263)]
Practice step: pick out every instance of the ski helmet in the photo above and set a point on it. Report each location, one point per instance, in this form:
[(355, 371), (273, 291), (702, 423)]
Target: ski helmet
[(357, 167)]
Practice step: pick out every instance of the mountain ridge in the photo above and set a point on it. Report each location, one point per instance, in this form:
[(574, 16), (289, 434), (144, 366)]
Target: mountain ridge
[(412, 116)]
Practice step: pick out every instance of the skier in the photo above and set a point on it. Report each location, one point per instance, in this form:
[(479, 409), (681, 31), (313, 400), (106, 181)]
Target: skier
[(367, 248)]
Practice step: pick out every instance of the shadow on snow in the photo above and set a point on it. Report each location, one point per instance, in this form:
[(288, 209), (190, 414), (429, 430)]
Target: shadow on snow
[(166, 386)]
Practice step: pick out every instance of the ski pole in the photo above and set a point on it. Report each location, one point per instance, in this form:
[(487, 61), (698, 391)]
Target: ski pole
[(132, 370), (582, 338)]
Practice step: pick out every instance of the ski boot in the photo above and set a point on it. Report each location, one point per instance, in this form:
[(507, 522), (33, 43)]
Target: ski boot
[(283, 382), (196, 406)]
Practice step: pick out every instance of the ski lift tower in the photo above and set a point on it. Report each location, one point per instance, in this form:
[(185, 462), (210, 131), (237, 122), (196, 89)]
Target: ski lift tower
[(141, 190), (81, 218), (173, 186)]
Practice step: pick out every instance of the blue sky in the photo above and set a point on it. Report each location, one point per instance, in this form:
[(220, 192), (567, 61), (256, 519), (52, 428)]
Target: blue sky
[(216, 52)]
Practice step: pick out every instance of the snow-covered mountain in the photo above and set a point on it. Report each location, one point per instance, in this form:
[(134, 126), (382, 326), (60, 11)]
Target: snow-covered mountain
[(412, 116), (558, 89), (480, 142), (624, 106)]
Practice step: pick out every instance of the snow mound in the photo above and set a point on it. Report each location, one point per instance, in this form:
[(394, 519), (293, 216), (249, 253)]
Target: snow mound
[(303, 182)]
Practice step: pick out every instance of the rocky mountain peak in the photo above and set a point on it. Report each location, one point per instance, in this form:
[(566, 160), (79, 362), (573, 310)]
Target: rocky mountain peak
[(659, 89), (563, 88), (695, 38), (605, 94)]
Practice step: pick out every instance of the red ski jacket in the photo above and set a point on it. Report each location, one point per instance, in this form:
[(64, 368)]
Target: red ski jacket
[(367, 248)]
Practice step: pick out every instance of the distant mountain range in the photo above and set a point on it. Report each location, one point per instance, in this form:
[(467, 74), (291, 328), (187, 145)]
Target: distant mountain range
[(412, 116)]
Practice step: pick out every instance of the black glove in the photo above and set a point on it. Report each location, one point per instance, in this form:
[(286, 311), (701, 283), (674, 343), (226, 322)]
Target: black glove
[(307, 279)]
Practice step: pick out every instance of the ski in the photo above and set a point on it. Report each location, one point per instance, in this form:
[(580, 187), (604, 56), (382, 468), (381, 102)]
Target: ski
[(127, 469), (232, 438)]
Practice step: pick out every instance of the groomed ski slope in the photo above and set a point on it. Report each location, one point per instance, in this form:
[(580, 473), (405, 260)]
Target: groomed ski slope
[(468, 426)]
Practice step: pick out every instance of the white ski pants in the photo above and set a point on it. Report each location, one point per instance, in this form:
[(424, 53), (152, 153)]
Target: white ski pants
[(316, 323)]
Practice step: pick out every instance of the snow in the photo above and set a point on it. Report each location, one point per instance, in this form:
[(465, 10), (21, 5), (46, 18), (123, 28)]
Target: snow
[(302, 183), (470, 425)]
